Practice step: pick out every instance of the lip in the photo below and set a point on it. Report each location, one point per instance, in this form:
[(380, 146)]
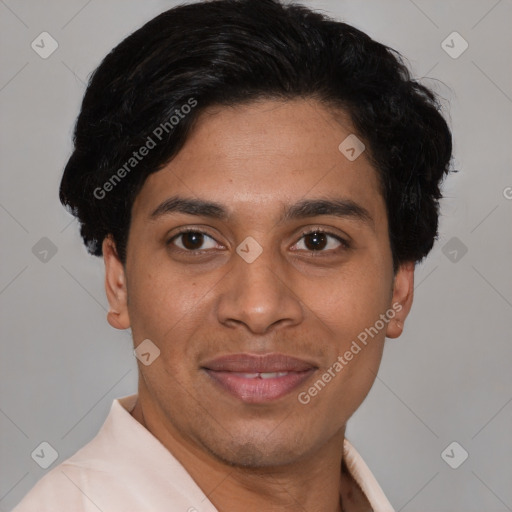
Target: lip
[(240, 375), (258, 363)]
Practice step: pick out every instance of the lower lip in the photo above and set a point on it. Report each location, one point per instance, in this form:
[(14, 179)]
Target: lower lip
[(257, 390)]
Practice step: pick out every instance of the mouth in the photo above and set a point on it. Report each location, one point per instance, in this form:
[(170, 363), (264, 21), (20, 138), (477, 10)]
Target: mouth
[(258, 378)]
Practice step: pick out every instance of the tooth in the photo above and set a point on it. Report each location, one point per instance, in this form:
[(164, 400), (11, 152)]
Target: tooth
[(263, 375), (272, 375)]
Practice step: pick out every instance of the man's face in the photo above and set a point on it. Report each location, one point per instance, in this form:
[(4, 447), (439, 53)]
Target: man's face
[(304, 296)]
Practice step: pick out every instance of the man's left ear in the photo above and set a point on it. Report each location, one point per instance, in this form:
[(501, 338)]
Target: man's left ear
[(115, 286), (403, 291)]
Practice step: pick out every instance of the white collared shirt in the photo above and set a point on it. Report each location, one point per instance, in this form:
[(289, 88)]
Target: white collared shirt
[(127, 469)]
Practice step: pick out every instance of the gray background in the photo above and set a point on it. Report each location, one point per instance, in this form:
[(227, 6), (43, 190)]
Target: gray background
[(446, 379)]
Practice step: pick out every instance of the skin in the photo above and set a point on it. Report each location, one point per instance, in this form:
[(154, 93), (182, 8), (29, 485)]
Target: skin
[(255, 160)]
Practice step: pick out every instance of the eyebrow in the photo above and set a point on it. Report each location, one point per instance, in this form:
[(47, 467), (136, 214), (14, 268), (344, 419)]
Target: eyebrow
[(343, 208)]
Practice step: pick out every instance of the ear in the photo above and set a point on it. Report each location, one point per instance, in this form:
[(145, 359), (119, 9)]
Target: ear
[(403, 291), (115, 286)]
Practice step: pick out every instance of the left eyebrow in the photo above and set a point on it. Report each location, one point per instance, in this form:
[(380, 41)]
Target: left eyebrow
[(343, 208)]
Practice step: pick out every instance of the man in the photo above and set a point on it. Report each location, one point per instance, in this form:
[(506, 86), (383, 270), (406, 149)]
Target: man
[(260, 181)]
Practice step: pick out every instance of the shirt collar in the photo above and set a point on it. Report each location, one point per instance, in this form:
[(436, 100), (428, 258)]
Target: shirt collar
[(120, 424)]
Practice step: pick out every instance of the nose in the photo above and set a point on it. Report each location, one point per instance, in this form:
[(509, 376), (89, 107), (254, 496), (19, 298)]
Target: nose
[(259, 295)]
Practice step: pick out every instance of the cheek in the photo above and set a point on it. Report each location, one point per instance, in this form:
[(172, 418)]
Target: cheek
[(171, 311), (351, 301), (354, 312), (159, 304), (352, 360)]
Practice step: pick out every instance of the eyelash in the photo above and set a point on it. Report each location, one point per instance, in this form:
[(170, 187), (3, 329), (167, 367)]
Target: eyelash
[(344, 243)]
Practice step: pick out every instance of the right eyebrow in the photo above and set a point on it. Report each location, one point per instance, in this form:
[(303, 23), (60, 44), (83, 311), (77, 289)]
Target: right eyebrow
[(189, 206)]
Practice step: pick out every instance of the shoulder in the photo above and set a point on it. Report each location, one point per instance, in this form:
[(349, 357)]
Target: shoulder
[(62, 489)]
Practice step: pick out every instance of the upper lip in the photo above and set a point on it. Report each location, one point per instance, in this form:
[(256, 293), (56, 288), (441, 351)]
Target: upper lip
[(254, 363)]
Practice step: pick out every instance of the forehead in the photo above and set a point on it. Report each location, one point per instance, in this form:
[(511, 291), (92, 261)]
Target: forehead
[(257, 157)]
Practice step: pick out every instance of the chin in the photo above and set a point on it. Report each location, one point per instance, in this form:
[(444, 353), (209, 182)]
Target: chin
[(261, 453)]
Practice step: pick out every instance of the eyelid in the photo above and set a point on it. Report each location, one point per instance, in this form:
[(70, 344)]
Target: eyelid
[(344, 240), (186, 230)]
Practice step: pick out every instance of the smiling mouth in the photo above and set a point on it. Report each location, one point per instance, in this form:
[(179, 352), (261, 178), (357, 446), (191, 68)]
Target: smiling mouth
[(258, 378), (259, 387)]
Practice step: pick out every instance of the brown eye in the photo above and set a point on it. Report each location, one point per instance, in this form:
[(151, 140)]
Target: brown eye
[(315, 241), (192, 241), (321, 241)]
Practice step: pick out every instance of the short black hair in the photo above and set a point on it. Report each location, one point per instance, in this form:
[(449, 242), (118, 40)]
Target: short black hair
[(155, 84)]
